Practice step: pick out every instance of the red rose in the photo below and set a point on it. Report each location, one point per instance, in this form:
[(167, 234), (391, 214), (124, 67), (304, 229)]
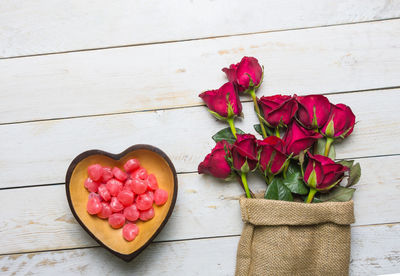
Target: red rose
[(322, 173), (272, 155), (245, 74), (223, 102), (278, 110), (298, 138), (244, 151), (215, 163), (313, 111), (340, 123)]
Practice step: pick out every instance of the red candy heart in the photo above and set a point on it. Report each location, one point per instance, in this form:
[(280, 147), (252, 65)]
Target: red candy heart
[(104, 193), (152, 182), (131, 165), (119, 174), (144, 202), (160, 196), (116, 220), (114, 186), (95, 172), (91, 185), (105, 211), (93, 206), (131, 213), (107, 174), (115, 205), (140, 173), (115, 199), (130, 231), (147, 215), (125, 197), (138, 186)]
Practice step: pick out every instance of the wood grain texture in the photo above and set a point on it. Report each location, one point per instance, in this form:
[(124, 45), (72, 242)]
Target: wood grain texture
[(38, 27), (205, 207), (320, 60), (375, 250), (48, 147)]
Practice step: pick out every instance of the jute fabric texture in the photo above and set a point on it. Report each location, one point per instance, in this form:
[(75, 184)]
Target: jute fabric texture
[(293, 238)]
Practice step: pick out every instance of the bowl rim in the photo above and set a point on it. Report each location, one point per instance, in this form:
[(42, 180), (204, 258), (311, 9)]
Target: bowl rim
[(118, 156)]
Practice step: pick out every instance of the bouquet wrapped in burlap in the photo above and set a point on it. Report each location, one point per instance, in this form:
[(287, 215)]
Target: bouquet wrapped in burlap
[(292, 238), (296, 159)]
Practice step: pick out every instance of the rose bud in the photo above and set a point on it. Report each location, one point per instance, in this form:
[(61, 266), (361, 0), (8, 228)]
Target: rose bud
[(215, 163), (244, 153), (313, 111), (272, 156), (340, 123), (298, 138), (278, 110), (223, 103), (322, 173), (245, 74)]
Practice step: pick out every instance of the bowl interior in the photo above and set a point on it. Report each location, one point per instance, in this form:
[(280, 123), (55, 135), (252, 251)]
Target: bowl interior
[(112, 238)]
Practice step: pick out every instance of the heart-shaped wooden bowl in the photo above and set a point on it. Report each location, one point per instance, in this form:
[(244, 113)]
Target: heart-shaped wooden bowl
[(155, 161)]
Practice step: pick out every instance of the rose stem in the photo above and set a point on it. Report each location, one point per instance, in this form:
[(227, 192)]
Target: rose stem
[(253, 96), (311, 195), (246, 187), (328, 144), (241, 184), (232, 126)]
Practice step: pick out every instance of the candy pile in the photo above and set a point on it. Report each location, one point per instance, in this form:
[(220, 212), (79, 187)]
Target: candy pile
[(123, 195)]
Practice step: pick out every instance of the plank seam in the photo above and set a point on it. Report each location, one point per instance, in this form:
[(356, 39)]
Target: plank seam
[(169, 241), (199, 38), (177, 107), (188, 172)]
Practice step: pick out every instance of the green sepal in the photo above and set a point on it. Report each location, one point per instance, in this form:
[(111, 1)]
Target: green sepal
[(314, 122), (245, 167), (330, 129), (216, 115)]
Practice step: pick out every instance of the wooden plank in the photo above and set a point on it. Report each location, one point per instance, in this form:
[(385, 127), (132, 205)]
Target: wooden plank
[(321, 60), (205, 208), (29, 28), (47, 148), (375, 250)]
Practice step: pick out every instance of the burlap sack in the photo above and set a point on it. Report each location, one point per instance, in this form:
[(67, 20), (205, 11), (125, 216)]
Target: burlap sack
[(292, 238)]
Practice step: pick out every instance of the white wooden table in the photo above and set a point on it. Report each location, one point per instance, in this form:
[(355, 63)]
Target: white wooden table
[(78, 75)]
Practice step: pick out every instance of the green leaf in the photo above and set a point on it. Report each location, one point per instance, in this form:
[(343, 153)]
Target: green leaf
[(316, 200), (294, 180), (278, 191), (339, 194), (226, 134), (347, 163), (355, 174), (320, 149), (258, 129), (269, 131)]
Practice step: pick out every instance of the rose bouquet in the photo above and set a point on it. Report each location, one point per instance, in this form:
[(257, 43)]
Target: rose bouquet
[(296, 158)]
